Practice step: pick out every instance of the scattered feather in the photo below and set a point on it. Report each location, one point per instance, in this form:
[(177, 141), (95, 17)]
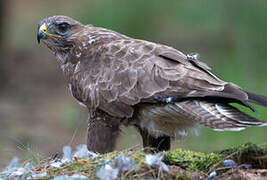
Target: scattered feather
[(14, 163), (73, 177), (123, 163), (56, 164), (107, 173), (212, 175), (245, 166), (67, 156), (82, 152), (40, 175), (156, 161), (18, 172), (229, 163), (13, 170)]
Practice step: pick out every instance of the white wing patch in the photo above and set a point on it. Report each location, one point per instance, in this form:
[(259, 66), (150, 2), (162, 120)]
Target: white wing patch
[(228, 114), (232, 129)]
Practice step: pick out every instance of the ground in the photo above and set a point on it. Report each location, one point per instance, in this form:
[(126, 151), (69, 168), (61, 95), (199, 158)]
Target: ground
[(247, 161)]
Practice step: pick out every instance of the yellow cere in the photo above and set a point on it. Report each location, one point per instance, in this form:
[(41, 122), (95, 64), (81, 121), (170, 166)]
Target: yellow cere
[(43, 28)]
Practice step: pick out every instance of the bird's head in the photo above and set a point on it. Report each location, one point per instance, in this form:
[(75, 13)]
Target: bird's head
[(58, 31)]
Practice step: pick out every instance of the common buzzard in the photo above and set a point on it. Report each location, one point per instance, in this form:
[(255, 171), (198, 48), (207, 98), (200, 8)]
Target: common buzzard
[(151, 86)]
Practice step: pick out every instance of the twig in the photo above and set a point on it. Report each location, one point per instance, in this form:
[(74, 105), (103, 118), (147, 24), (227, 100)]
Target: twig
[(223, 168), (133, 147), (218, 163), (159, 172), (143, 174), (75, 132), (127, 173)]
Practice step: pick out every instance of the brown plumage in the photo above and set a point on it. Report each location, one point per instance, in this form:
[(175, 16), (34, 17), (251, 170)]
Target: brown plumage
[(154, 87)]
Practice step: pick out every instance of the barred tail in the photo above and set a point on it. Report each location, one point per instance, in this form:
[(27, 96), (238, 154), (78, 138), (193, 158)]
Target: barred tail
[(218, 116)]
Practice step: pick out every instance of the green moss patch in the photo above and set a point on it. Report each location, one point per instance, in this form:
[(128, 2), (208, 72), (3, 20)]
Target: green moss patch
[(196, 161), (248, 153)]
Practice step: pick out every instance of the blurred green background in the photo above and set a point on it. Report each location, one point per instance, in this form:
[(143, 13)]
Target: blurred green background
[(38, 114)]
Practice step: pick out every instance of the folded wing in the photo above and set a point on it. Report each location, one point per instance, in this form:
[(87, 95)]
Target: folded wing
[(132, 71)]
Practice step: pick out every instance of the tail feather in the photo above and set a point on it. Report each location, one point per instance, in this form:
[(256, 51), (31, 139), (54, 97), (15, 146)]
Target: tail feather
[(218, 116), (257, 99), (172, 118)]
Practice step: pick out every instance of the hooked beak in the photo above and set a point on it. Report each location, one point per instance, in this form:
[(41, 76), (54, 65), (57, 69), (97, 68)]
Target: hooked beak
[(42, 32)]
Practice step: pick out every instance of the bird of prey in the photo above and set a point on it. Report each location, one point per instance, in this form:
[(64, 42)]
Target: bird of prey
[(154, 87)]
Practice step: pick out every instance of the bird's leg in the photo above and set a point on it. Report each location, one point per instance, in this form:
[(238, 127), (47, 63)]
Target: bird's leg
[(161, 143), (103, 131)]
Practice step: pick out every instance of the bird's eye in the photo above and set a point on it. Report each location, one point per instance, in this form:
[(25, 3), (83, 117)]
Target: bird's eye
[(63, 27)]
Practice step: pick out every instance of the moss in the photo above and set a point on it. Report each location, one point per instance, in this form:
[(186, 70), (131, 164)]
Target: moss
[(137, 154), (82, 166), (183, 177), (248, 153), (196, 161)]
